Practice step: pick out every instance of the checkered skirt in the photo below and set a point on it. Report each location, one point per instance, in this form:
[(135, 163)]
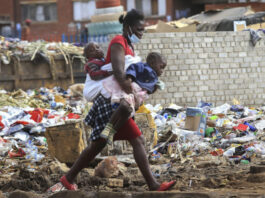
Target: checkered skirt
[(99, 116)]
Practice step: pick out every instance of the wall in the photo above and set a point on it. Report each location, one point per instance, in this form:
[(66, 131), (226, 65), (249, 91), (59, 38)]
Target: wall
[(6, 8), (213, 66)]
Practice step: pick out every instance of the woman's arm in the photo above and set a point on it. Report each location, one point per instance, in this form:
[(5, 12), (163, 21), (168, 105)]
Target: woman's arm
[(118, 64)]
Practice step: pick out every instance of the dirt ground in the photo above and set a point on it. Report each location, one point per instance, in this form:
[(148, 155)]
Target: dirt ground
[(205, 174)]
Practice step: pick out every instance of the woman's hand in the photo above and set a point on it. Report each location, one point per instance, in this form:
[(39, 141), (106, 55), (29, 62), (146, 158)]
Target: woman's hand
[(126, 86)]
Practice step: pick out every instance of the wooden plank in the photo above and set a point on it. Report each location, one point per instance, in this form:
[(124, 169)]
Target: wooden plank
[(7, 78)]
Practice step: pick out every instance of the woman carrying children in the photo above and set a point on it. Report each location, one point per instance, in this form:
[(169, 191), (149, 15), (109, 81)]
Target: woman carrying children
[(101, 111)]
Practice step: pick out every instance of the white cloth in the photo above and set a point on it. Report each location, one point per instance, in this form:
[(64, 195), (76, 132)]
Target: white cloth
[(93, 88)]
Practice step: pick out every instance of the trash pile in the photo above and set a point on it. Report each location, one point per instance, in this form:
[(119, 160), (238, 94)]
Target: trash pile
[(200, 147), (37, 51), (233, 131), (24, 117)]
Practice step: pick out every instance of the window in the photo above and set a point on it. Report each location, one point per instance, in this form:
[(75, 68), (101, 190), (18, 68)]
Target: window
[(139, 4), (148, 7), (40, 12), (83, 10), (154, 6)]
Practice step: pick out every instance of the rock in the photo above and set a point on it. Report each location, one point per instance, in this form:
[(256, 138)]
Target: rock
[(107, 168), (206, 164), (211, 183), (134, 171), (115, 182), (256, 178), (23, 194), (257, 169), (57, 167)]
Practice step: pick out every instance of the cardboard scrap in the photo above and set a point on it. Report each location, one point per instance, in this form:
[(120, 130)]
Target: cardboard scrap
[(182, 25)]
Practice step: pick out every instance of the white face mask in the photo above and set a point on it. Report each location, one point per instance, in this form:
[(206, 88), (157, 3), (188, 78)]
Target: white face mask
[(133, 38)]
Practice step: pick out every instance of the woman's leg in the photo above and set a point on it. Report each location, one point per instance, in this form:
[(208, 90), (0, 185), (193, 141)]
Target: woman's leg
[(87, 155), (140, 157)]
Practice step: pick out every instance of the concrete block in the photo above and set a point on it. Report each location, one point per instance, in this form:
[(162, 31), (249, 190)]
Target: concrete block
[(113, 182), (223, 55), (208, 39), (178, 95), (242, 54)]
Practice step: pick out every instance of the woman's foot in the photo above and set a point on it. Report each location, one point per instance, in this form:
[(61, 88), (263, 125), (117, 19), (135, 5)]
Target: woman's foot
[(68, 185), (166, 185)]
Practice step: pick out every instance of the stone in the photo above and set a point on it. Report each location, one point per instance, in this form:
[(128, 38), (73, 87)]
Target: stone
[(23, 194), (57, 167), (107, 168), (112, 182), (256, 178), (257, 169)]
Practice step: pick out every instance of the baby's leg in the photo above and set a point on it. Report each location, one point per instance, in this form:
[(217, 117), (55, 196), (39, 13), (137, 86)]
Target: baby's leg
[(117, 120), (121, 115)]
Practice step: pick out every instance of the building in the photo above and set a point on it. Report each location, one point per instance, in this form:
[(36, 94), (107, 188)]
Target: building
[(53, 18)]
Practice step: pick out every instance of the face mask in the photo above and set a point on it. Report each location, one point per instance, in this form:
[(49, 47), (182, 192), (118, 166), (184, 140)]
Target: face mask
[(133, 38)]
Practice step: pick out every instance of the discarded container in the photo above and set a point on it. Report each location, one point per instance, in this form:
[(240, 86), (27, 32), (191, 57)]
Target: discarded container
[(196, 120), (65, 142)]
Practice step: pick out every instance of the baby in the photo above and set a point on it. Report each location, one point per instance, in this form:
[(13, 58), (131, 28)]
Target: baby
[(96, 60)]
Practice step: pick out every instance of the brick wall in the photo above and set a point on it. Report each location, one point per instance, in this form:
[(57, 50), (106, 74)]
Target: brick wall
[(213, 66), (6, 9)]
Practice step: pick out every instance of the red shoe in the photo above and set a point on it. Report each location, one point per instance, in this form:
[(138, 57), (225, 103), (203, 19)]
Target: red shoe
[(67, 185), (166, 185)]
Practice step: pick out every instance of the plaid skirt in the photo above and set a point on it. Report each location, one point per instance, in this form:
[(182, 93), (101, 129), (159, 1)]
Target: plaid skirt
[(99, 116)]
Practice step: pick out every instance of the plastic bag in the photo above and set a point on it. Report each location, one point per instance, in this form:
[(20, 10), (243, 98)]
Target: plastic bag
[(36, 115)]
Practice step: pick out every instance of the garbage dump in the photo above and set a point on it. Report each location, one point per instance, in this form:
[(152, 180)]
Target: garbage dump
[(29, 65), (202, 147)]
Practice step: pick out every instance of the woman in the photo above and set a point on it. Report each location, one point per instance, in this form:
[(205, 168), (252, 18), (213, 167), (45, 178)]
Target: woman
[(101, 111)]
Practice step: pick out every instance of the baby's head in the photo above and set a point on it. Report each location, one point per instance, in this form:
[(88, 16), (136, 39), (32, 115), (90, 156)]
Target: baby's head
[(157, 62), (93, 50)]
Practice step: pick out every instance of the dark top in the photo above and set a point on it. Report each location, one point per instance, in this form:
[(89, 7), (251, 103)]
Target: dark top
[(143, 75)]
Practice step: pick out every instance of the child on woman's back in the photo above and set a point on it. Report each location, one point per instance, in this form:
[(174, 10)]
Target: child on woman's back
[(144, 78)]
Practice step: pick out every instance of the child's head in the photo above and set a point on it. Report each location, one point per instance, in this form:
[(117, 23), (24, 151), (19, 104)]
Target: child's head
[(93, 50), (157, 62)]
